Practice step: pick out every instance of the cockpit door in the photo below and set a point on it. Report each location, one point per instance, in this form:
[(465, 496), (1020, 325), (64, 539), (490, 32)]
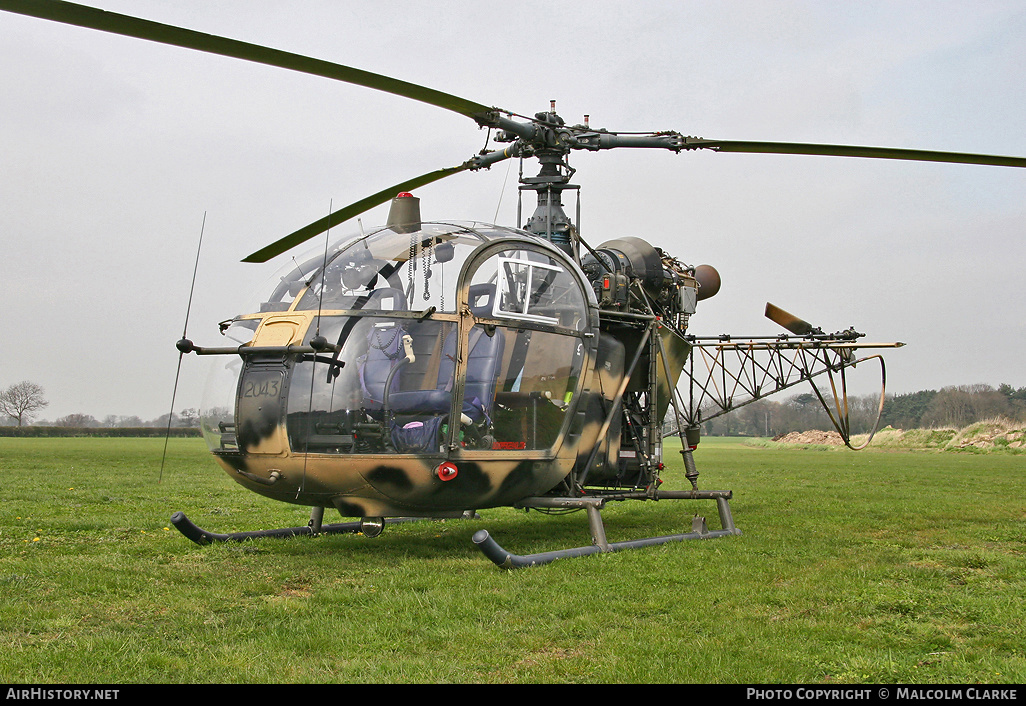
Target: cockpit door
[(523, 318), (260, 409)]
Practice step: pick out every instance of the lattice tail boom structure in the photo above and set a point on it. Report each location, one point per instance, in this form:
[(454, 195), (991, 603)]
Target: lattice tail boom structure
[(724, 374)]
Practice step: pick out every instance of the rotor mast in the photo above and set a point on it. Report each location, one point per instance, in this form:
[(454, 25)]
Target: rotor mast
[(548, 139), (549, 220), (544, 138)]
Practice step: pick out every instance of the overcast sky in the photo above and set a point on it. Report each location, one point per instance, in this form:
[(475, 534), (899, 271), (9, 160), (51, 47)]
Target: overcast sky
[(113, 149)]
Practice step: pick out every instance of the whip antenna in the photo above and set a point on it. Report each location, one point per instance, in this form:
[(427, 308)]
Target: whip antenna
[(318, 342)]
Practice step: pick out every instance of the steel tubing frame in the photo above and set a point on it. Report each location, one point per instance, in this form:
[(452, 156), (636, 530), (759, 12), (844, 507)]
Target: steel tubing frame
[(786, 363)]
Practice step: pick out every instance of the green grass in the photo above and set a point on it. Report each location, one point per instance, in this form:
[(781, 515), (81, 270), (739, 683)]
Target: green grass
[(853, 567)]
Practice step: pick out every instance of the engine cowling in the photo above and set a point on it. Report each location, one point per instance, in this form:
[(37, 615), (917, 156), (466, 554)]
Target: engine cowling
[(673, 286)]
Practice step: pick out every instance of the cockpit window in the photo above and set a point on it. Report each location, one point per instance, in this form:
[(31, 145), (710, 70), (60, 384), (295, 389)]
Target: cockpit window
[(532, 287), (522, 285)]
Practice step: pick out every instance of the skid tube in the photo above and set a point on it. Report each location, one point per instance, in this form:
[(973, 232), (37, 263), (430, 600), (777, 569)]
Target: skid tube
[(593, 505), (368, 526)]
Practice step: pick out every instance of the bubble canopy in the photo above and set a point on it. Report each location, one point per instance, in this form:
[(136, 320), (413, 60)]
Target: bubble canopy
[(425, 264), (451, 338)]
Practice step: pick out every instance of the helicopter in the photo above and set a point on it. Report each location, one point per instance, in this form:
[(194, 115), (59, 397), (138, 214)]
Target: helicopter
[(428, 370)]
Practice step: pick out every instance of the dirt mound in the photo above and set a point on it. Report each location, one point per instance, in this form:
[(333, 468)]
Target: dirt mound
[(825, 438), (990, 435)]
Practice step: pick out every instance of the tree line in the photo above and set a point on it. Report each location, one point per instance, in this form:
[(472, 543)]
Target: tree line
[(184, 418), (20, 404), (955, 406)]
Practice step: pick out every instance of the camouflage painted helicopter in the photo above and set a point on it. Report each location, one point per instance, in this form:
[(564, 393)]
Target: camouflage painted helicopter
[(430, 370)]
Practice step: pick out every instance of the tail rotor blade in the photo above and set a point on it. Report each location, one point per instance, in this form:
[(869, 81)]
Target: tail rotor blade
[(789, 321)]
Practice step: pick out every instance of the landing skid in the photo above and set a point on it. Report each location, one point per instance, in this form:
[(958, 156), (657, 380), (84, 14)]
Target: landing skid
[(593, 506), (369, 526), (373, 526)]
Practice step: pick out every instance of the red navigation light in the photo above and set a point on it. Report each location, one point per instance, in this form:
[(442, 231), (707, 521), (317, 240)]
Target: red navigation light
[(446, 470)]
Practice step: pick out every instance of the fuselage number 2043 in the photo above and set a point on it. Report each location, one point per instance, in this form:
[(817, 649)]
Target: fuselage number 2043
[(260, 386)]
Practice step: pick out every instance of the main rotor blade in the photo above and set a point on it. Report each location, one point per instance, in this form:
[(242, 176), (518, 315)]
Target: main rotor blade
[(350, 211), (93, 18), (851, 151)]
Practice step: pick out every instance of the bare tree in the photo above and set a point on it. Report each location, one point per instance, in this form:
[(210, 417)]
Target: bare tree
[(189, 417), (22, 400), (77, 420)]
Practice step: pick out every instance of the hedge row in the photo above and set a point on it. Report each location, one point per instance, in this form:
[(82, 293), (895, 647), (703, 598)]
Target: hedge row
[(98, 431)]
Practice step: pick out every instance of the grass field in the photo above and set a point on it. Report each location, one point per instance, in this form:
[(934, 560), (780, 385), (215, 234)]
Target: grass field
[(866, 567)]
